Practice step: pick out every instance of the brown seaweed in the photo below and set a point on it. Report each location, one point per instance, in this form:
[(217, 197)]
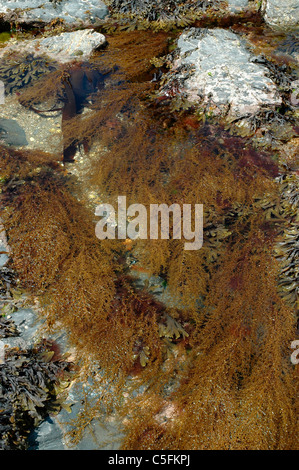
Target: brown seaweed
[(191, 376)]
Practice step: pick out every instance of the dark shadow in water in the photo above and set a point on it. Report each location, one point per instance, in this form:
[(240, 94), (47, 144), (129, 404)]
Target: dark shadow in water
[(79, 84)]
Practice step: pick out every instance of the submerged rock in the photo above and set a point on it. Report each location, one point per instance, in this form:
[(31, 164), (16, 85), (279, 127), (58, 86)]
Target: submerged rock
[(45, 11), (4, 248), (214, 70), (18, 70), (12, 133), (235, 6), (165, 10), (282, 14), (100, 434), (290, 46)]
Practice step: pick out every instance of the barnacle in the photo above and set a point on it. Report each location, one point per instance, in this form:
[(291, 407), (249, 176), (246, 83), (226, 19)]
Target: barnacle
[(18, 70)]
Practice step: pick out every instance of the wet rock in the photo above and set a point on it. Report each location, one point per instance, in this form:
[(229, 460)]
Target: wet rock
[(28, 327), (294, 98), (235, 6), (3, 255), (2, 92), (74, 45), (290, 46), (45, 11), (156, 286), (64, 47), (282, 14), (214, 70), (47, 436), (12, 133), (99, 434)]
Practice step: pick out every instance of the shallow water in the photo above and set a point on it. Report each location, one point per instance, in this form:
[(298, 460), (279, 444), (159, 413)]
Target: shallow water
[(123, 142)]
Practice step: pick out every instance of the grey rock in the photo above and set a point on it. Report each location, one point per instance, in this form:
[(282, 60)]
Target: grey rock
[(3, 246), (64, 47), (282, 14), (28, 324), (12, 133), (2, 92), (45, 11), (235, 6), (215, 69), (78, 44), (294, 98), (99, 434), (155, 285), (3, 257), (48, 436)]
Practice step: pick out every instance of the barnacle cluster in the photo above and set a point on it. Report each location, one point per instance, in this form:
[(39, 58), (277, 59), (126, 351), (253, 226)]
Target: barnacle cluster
[(18, 70)]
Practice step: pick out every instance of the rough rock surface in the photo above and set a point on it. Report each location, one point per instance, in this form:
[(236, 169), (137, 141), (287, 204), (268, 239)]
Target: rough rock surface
[(45, 11), (71, 45), (11, 133), (100, 434), (215, 69), (64, 47), (235, 6), (283, 14)]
